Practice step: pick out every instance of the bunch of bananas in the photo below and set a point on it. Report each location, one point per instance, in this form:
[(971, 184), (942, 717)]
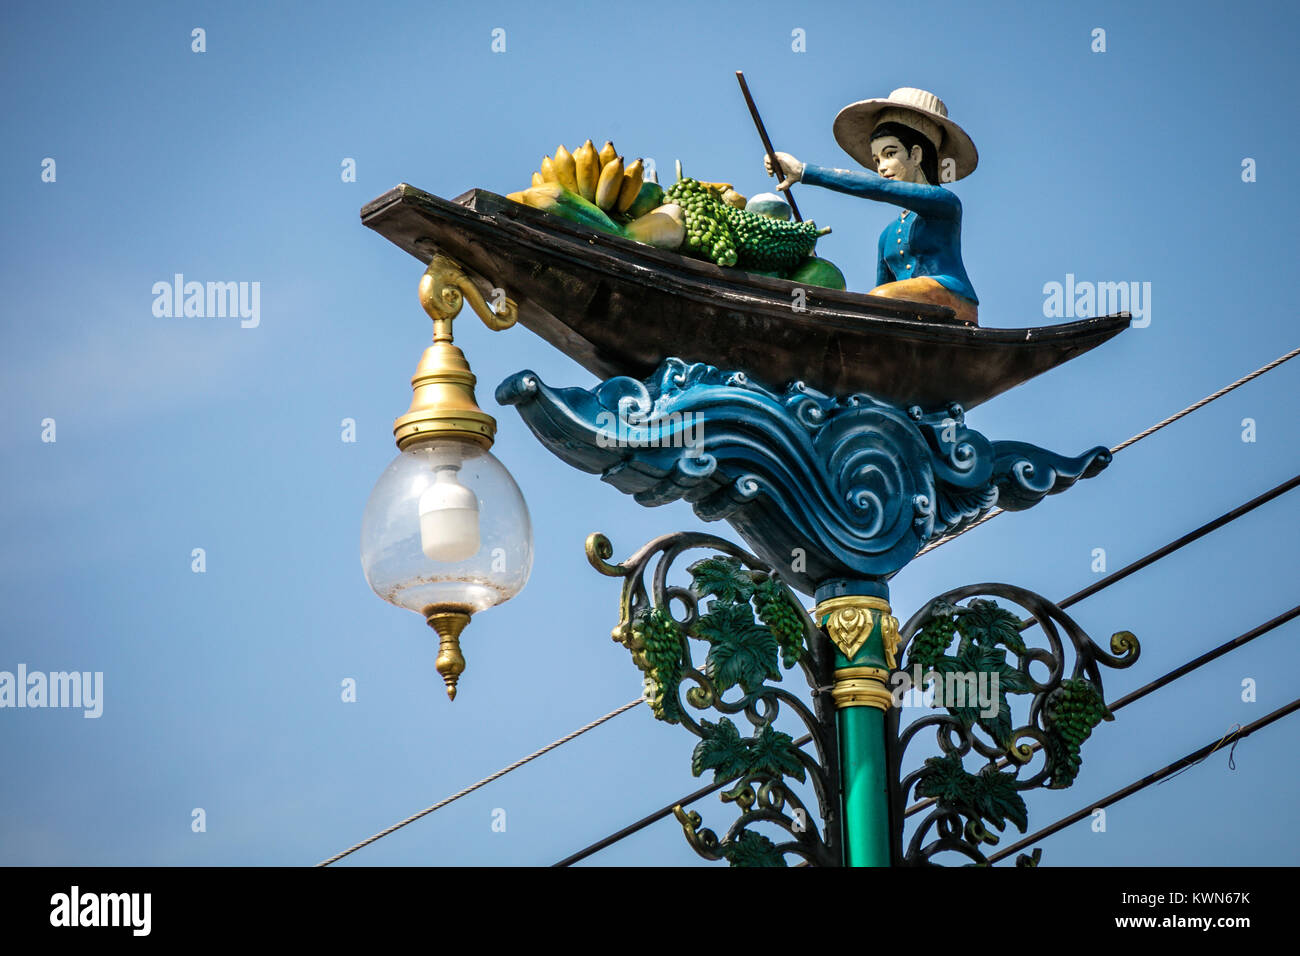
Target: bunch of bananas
[(599, 177)]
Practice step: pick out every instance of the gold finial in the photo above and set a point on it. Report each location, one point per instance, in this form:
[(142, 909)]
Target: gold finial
[(449, 620)]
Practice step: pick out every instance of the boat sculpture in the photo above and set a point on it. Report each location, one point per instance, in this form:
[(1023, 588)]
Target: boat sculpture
[(619, 307)]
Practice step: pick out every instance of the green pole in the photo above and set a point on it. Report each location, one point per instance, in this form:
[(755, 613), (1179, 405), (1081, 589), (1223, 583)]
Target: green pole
[(865, 795), (858, 620)]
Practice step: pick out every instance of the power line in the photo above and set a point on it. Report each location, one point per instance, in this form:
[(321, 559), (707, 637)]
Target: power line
[(485, 781), (1206, 400), (1186, 539), (658, 815), (1215, 654), (1136, 438), (1164, 772)]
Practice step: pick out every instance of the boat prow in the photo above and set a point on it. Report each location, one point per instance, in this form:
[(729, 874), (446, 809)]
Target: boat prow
[(619, 307)]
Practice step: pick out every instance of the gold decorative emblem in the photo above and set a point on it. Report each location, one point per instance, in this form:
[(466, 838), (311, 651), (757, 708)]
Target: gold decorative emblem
[(849, 628), (850, 619)]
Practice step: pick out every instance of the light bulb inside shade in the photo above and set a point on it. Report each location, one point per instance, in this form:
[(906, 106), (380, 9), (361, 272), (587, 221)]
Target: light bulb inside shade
[(394, 535), (448, 518)]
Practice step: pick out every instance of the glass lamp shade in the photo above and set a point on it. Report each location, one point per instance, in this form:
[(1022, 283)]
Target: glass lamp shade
[(446, 525)]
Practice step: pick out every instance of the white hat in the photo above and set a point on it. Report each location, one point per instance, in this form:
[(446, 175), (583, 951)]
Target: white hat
[(915, 109)]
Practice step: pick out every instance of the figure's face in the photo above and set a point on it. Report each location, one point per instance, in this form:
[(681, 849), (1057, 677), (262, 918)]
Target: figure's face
[(894, 162)]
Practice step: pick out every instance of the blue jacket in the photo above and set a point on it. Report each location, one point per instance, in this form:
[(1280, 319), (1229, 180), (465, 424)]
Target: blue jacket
[(926, 241)]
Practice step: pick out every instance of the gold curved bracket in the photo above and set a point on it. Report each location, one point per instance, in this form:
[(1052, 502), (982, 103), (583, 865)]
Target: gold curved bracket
[(445, 287), (889, 634), (599, 551)]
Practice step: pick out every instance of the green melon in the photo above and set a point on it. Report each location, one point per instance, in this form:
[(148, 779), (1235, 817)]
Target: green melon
[(650, 197), (819, 272), (770, 205)]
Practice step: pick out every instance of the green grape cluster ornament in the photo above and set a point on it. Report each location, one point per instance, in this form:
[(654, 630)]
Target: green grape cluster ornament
[(1071, 713), (657, 650), (783, 619), (934, 639)]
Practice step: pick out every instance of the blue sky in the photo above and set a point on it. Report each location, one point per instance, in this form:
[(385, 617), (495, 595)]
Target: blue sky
[(221, 689)]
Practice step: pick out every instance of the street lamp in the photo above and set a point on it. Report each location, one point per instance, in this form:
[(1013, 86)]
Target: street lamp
[(837, 483), (446, 531)]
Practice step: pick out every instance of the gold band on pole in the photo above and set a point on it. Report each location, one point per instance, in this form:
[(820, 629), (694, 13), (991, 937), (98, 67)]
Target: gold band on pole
[(860, 692), (850, 619)]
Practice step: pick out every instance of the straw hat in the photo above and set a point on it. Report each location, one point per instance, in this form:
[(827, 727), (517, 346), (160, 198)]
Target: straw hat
[(916, 109)]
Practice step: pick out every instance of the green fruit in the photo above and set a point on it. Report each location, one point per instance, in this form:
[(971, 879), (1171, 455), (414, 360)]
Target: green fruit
[(650, 197), (818, 272), (770, 205), (555, 199)]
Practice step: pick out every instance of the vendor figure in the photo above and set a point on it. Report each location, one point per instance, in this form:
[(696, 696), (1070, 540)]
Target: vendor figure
[(909, 141)]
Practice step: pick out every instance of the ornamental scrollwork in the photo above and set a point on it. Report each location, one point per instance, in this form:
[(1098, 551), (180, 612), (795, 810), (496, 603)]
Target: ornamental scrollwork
[(979, 649), (717, 644), (860, 484)]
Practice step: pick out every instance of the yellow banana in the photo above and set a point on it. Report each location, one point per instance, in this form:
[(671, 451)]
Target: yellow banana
[(607, 152), (588, 169), (565, 168), (548, 171), (632, 178), (610, 184)]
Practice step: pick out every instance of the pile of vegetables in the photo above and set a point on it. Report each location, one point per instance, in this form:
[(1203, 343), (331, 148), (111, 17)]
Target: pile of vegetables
[(705, 220)]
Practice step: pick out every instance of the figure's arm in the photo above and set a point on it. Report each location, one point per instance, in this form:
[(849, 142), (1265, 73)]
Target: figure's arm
[(933, 202)]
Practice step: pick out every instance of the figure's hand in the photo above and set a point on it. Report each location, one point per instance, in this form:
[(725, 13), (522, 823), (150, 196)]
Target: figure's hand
[(792, 168)]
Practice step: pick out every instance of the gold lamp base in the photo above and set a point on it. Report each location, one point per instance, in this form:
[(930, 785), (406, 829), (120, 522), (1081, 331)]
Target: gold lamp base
[(449, 620), (442, 403)]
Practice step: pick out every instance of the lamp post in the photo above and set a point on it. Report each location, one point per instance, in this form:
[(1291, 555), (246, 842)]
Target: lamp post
[(446, 531), (835, 483)]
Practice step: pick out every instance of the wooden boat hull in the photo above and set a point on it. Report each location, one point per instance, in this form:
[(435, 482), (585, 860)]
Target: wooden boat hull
[(620, 308)]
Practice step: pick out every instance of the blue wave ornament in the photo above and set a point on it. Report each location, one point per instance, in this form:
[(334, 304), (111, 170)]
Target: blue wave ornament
[(821, 488)]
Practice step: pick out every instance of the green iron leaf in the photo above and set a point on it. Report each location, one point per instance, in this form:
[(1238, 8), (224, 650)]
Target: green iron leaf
[(748, 660), (997, 800), (752, 849), (945, 779), (720, 750), (989, 624), (724, 578), (774, 752), (741, 651)]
